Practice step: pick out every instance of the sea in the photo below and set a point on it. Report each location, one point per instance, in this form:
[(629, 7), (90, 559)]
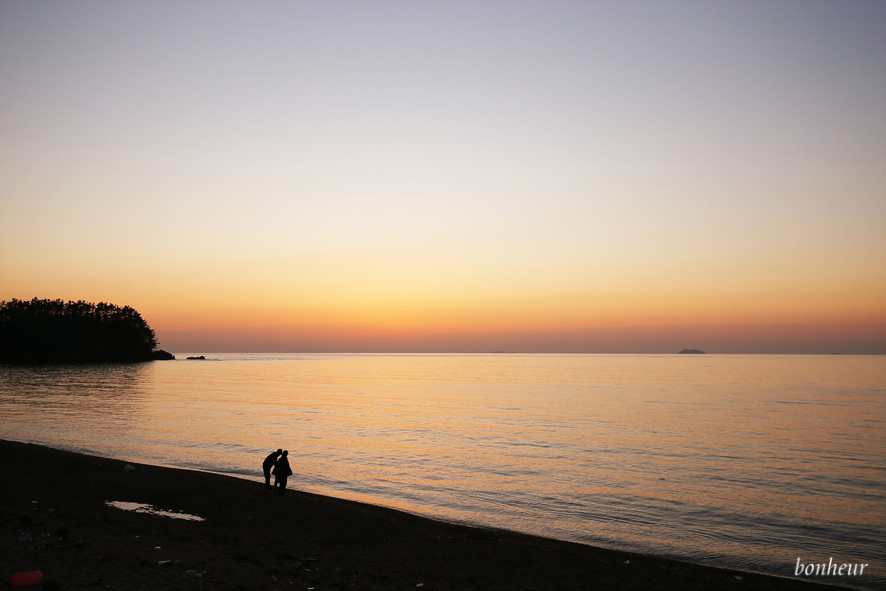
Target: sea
[(751, 462)]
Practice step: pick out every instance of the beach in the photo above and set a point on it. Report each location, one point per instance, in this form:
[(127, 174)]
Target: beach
[(56, 518)]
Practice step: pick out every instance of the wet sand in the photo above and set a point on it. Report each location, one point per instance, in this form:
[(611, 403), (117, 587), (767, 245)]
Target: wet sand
[(54, 518)]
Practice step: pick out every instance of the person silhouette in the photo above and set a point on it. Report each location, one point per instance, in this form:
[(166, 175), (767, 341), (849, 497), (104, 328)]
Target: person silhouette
[(282, 471), (268, 465)]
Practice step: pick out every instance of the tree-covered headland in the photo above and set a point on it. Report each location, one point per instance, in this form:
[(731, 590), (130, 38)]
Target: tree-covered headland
[(54, 331)]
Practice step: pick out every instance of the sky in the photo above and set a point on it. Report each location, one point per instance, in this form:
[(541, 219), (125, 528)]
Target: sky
[(452, 176)]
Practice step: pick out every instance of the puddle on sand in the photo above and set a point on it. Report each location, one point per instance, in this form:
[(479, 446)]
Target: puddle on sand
[(143, 508)]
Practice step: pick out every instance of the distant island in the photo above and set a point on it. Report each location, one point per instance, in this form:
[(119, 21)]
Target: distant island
[(692, 352), (53, 331)]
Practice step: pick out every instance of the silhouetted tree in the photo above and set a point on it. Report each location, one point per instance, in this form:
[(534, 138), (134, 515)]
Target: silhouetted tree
[(53, 331)]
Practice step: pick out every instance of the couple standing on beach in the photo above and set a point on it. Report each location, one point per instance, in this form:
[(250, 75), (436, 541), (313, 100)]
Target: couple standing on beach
[(277, 463)]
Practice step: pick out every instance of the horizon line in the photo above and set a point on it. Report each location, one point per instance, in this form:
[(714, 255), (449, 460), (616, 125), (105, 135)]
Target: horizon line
[(204, 352)]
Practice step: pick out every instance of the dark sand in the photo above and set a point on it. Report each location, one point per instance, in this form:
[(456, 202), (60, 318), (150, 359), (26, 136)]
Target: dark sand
[(253, 538)]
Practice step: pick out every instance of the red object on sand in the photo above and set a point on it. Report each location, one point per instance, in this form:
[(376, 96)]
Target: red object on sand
[(31, 577)]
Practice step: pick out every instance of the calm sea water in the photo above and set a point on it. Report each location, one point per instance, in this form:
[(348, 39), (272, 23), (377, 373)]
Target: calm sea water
[(740, 461)]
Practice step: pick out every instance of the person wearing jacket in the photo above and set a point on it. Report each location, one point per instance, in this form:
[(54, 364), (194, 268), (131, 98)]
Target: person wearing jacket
[(282, 471), (268, 465)]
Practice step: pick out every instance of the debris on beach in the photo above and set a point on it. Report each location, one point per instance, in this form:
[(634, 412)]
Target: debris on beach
[(27, 578)]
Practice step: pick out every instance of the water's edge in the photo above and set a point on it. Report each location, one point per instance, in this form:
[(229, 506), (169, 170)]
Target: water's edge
[(675, 558)]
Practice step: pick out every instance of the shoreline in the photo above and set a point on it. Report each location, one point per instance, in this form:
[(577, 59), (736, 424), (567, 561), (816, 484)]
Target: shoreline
[(56, 518)]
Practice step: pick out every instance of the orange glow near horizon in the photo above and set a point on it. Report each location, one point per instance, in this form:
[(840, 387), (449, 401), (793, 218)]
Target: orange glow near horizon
[(456, 310), (520, 326)]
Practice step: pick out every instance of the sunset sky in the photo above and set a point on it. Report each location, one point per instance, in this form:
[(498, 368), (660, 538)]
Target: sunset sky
[(452, 176)]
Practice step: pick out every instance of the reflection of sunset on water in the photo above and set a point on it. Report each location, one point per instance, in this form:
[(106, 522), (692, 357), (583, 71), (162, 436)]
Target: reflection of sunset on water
[(722, 459)]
